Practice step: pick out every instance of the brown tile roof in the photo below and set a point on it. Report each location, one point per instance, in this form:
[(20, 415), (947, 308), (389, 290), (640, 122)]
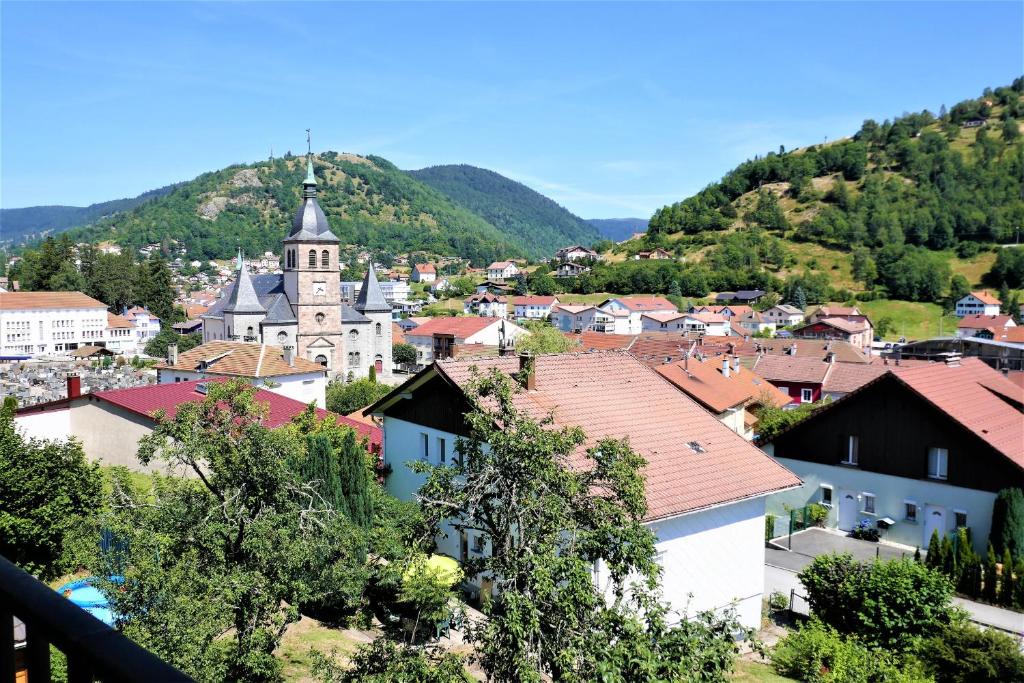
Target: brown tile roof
[(1013, 334), (460, 327), (240, 359), (815, 348), (486, 298), (116, 321), (598, 341), (782, 369), (986, 298), (841, 324), (500, 265), (16, 301), (643, 303), (971, 394), (397, 334), (195, 310), (425, 268), (659, 420), (738, 309), (705, 382), (710, 318), (983, 322), (665, 316), (846, 377), (829, 311), (534, 300)]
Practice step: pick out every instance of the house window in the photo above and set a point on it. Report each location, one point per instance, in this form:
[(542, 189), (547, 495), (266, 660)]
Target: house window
[(938, 463), (441, 456), (961, 518), (325, 259), (850, 452), (282, 337), (910, 511), (806, 395), (784, 390), (826, 495), (478, 543), (869, 502), (424, 446)]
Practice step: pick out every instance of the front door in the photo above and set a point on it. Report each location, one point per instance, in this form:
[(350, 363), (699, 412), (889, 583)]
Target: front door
[(847, 510), (934, 520)]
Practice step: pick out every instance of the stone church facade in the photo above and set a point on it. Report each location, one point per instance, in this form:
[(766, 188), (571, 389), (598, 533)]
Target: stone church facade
[(301, 308)]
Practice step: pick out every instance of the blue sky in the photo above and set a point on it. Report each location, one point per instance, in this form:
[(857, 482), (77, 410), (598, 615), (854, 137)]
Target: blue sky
[(610, 109)]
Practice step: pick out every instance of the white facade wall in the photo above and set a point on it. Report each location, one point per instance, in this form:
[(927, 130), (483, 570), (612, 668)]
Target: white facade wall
[(533, 311), (146, 327), (891, 495), (971, 305), (502, 273), (486, 309), (307, 387), (715, 554), (41, 331), (653, 325), (52, 424), (634, 323)]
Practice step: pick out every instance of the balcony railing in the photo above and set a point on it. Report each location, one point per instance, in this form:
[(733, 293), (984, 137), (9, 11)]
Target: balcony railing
[(93, 649)]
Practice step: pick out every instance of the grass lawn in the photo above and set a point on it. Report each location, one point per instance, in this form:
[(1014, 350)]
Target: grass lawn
[(749, 672), (814, 257), (973, 268), (307, 635), (910, 319)]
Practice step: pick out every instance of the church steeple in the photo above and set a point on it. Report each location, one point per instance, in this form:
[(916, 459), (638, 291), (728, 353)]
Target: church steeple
[(243, 297), (310, 223), (371, 297)]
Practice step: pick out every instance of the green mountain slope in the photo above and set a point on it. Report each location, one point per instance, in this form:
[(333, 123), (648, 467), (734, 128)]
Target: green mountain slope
[(522, 214), (618, 229), (31, 222), (368, 201), (895, 202)]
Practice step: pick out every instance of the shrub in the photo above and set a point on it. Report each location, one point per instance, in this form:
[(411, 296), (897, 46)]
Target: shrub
[(962, 653), (778, 601), (865, 531), (345, 398), (769, 527), (1008, 522), (817, 514), (885, 604)]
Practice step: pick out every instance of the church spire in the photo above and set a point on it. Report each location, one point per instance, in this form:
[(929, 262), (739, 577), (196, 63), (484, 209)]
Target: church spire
[(309, 184), (243, 297), (371, 297)]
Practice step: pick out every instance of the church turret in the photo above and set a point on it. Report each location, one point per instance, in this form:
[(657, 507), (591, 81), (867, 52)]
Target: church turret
[(372, 304), (243, 312), (371, 297)]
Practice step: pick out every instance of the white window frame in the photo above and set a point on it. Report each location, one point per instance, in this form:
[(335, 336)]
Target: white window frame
[(442, 444), (831, 491), (941, 472), (906, 518), (959, 511), (865, 495), (852, 455), (806, 395)]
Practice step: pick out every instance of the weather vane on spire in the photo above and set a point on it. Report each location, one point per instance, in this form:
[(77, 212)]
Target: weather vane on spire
[(309, 145)]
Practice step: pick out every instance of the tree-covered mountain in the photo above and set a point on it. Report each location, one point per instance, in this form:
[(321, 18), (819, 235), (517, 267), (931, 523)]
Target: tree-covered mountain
[(618, 229), (368, 201), (898, 198), (31, 222), (536, 222)]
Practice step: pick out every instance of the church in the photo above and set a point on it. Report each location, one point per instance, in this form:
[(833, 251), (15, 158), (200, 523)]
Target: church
[(301, 308)]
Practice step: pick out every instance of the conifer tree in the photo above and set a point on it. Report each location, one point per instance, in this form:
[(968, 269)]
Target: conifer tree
[(373, 374), (1008, 522), (799, 298), (322, 466), (990, 575), (354, 477), (1009, 587)]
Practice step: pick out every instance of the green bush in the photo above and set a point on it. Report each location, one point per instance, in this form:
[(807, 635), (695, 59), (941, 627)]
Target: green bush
[(346, 398), (769, 527), (962, 653), (885, 604), (817, 653), (1008, 522), (817, 514), (778, 601)]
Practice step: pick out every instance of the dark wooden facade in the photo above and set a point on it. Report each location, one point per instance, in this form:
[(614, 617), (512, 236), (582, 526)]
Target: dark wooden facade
[(895, 428), (436, 404)]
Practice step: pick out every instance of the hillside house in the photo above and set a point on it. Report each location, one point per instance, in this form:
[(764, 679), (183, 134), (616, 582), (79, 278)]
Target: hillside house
[(502, 270), (576, 253), (632, 308), (705, 485), (857, 333), (978, 303), (447, 337), (984, 326), (920, 449), (424, 272), (581, 318), (658, 254), (571, 269), (486, 305), (533, 307), (784, 315), (754, 322), (730, 311)]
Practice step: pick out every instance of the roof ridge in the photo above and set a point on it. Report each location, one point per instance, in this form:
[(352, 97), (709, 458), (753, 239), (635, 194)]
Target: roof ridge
[(259, 361)]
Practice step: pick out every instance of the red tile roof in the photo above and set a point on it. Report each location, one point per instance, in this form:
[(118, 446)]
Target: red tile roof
[(986, 298), (460, 327), (846, 377), (705, 381), (782, 369), (598, 341), (167, 397), (534, 300), (973, 394), (425, 268), (829, 311), (1013, 334), (659, 420), (737, 309), (984, 322), (397, 334), (644, 303)]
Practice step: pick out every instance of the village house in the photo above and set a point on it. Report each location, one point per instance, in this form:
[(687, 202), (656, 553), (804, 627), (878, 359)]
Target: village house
[(632, 308), (533, 307), (110, 424), (743, 296), (754, 322), (144, 324), (701, 323), (705, 485), (277, 369), (502, 270), (984, 326), (806, 379), (920, 449), (977, 303), (486, 305), (658, 254), (857, 333), (581, 318), (724, 387), (424, 272), (571, 269), (576, 253), (729, 311), (449, 337), (784, 315)]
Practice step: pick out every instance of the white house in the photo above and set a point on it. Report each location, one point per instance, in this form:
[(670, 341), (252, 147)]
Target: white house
[(533, 307), (582, 318), (41, 323), (486, 305), (633, 307), (424, 272), (978, 303), (278, 370), (576, 253), (502, 270), (665, 322), (145, 325), (755, 322), (571, 269), (705, 485), (784, 315), (449, 336), (984, 325)]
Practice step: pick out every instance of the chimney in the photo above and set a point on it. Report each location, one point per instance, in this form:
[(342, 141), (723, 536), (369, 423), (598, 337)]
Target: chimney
[(527, 371), (289, 356), (736, 364), (830, 357), (74, 385), (725, 367), (172, 354)]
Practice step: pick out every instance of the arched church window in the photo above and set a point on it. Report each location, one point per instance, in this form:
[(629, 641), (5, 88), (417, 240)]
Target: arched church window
[(378, 363), (353, 335), (291, 258), (312, 259), (322, 360), (320, 317), (380, 330), (325, 260), (282, 337), (355, 356), (248, 331)]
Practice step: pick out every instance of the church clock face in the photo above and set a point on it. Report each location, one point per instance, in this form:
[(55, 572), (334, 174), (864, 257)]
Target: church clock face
[(319, 289)]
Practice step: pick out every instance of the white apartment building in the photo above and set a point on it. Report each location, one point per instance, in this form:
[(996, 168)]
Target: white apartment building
[(41, 323), (978, 303)]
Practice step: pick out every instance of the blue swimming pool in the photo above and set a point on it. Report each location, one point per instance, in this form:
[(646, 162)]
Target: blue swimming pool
[(84, 594)]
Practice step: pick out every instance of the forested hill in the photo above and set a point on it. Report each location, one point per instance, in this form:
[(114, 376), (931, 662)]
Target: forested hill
[(368, 201), (539, 223), (618, 229), (31, 222)]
